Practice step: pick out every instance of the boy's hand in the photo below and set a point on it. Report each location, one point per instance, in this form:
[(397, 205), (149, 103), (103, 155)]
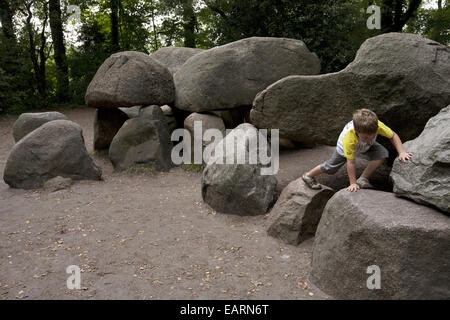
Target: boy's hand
[(353, 187), (404, 156)]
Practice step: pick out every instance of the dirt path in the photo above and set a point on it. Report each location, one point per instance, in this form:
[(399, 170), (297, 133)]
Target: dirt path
[(144, 236)]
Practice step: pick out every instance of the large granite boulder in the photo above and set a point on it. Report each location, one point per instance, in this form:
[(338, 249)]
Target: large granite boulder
[(129, 78), (107, 123), (54, 149), (28, 122), (362, 231), (174, 57), (231, 75), (425, 178), (296, 214), (237, 188), (142, 142), (404, 78)]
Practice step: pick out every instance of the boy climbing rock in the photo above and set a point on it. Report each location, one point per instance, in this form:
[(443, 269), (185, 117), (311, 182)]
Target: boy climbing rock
[(357, 139)]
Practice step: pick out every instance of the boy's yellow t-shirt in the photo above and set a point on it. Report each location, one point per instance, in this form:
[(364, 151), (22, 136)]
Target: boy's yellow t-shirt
[(349, 144)]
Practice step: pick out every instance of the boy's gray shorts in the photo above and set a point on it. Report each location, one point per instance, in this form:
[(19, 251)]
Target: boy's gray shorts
[(375, 152)]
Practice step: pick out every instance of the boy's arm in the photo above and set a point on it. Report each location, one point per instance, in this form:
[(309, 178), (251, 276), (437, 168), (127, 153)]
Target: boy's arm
[(402, 154), (351, 171)]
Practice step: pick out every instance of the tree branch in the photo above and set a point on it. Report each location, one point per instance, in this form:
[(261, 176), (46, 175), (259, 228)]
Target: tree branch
[(216, 9), (412, 7)]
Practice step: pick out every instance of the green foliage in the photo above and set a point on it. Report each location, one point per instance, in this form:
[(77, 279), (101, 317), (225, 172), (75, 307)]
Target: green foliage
[(84, 61), (432, 23), (16, 81), (333, 29), (180, 26), (133, 22)]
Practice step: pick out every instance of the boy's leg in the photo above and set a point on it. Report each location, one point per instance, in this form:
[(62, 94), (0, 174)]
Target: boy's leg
[(308, 178), (314, 172), (371, 167), (329, 167), (377, 155), (332, 165)]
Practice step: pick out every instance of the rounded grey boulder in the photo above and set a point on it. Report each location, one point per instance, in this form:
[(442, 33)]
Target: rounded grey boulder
[(365, 230), (54, 149), (142, 142), (425, 178), (231, 75), (296, 214), (28, 122), (236, 188), (130, 78)]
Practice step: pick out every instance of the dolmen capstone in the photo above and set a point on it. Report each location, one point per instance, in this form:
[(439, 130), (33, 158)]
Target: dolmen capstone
[(296, 214), (174, 57), (230, 76), (239, 189), (374, 245), (404, 78), (130, 78), (28, 122), (54, 149), (426, 177)]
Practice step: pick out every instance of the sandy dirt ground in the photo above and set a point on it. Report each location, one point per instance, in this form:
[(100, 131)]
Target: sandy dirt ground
[(144, 236)]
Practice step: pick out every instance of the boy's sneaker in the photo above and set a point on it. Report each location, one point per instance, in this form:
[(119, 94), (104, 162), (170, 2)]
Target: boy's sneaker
[(364, 183), (311, 182)]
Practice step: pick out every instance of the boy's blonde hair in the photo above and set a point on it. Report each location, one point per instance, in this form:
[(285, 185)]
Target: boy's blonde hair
[(365, 121)]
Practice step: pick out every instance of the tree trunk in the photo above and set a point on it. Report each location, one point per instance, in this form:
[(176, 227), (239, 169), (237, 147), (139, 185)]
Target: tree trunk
[(6, 17), (11, 58), (398, 9), (189, 23), (437, 28), (38, 66), (393, 18), (42, 82), (62, 70), (155, 34), (114, 5)]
